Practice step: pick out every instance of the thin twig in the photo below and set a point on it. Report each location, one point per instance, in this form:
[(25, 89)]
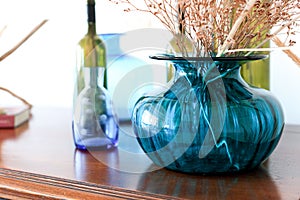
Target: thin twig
[(2, 30), (282, 48), (16, 96), (293, 56), (22, 41)]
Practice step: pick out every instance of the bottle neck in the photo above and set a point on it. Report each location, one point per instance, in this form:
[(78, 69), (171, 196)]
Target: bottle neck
[(91, 17), (91, 28), (94, 76)]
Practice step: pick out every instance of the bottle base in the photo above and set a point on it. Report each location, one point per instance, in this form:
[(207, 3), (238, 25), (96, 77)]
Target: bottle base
[(95, 144)]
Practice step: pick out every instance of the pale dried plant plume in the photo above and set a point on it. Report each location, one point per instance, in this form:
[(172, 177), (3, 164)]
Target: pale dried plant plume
[(223, 27)]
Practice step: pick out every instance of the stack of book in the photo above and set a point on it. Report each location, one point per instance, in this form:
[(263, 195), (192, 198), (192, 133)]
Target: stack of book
[(13, 116)]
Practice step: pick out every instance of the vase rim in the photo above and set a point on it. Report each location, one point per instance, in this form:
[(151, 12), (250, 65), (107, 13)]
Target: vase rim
[(224, 59)]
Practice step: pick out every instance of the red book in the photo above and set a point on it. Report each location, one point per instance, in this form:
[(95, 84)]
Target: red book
[(11, 117)]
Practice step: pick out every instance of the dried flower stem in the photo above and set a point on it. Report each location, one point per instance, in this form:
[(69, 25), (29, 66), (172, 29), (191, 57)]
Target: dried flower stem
[(260, 49), (275, 33), (295, 58), (16, 96), (23, 40), (2, 30), (235, 27)]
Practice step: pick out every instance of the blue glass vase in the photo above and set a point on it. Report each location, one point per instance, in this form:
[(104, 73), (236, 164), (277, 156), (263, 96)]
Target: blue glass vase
[(208, 120)]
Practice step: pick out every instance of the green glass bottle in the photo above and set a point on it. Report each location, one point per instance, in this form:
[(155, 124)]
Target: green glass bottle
[(91, 50), (257, 73), (94, 122)]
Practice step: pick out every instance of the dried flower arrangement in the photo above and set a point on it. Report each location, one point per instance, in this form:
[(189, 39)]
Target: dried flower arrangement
[(225, 27), (9, 52)]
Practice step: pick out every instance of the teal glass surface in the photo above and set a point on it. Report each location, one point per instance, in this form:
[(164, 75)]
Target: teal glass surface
[(208, 120)]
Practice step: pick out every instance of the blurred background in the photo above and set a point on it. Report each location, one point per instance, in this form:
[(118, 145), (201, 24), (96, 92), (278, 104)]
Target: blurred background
[(42, 69)]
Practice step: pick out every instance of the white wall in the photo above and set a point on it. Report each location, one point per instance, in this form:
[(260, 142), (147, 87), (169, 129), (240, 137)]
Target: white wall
[(285, 83), (41, 71)]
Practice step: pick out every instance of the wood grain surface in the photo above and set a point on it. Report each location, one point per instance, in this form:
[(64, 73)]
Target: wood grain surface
[(39, 161)]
